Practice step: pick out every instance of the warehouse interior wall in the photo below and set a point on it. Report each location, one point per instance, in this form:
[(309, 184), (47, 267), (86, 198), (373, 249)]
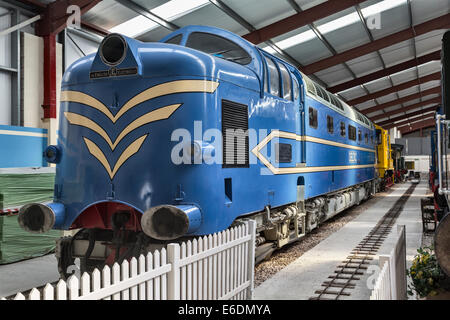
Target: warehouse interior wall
[(33, 84), (76, 46), (5, 77)]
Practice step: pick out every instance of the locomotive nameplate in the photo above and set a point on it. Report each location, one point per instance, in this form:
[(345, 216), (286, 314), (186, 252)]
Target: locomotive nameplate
[(113, 72)]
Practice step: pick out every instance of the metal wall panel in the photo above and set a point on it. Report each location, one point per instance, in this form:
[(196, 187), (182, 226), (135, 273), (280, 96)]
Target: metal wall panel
[(415, 146), (77, 46), (5, 77)]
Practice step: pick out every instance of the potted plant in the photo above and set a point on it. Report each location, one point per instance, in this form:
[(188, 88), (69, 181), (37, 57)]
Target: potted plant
[(429, 282)]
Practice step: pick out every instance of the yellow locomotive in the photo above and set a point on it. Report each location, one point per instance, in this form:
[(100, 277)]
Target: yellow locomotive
[(385, 163)]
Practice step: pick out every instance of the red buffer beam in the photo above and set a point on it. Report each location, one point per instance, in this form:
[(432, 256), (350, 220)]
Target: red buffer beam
[(299, 20), (399, 87), (435, 90), (442, 22), (436, 55), (411, 107)]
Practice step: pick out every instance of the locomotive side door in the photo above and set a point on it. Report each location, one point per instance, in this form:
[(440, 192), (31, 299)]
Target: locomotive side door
[(300, 125)]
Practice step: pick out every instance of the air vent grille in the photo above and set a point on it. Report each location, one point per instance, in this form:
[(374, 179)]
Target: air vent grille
[(235, 135)]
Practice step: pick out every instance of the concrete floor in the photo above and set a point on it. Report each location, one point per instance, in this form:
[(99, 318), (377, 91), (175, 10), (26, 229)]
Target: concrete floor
[(27, 274), (300, 279)]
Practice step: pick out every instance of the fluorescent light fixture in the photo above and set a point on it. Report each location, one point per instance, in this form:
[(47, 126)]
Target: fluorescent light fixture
[(337, 24), (168, 11)]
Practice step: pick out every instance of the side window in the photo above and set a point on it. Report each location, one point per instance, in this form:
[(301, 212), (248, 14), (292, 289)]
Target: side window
[(274, 78), (296, 89), (351, 132), (359, 135), (330, 126), (266, 79), (313, 118), (287, 88), (378, 131), (366, 138), (342, 129)]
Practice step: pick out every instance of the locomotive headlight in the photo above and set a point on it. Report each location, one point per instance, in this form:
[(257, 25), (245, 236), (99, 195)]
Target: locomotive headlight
[(113, 49), (52, 154)]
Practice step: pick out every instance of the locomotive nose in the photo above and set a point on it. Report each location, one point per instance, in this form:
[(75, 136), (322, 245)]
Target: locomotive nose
[(168, 222), (40, 218)]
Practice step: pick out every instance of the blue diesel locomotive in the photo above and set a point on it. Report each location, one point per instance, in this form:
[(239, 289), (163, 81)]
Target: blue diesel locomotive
[(160, 141)]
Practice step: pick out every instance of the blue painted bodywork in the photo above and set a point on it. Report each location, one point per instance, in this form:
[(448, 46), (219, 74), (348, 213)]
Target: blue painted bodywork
[(150, 178), (22, 146)]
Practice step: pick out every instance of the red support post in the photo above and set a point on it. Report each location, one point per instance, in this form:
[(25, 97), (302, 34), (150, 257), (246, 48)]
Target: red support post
[(49, 104)]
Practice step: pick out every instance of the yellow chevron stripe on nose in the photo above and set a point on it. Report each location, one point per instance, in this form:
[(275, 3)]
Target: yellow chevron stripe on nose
[(155, 115), (178, 86), (132, 149)]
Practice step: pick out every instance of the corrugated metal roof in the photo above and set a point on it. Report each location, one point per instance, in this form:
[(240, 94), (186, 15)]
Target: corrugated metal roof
[(342, 31)]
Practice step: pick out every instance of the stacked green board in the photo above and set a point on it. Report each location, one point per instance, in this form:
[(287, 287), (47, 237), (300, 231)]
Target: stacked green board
[(19, 189), (16, 244), (16, 189)]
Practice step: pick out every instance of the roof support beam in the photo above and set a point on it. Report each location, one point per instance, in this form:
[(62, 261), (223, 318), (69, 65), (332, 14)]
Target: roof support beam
[(442, 22), (37, 6), (54, 16), (149, 15), (299, 20), (92, 27), (417, 126), (404, 109), (402, 100), (425, 115), (408, 115), (399, 87), (436, 55)]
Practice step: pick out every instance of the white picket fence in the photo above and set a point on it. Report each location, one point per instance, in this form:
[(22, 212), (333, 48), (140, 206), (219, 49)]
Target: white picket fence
[(391, 282), (219, 266)]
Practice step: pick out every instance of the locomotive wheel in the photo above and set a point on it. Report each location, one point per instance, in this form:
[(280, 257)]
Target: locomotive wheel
[(442, 244)]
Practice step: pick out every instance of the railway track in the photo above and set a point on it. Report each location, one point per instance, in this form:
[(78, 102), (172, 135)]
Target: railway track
[(355, 265)]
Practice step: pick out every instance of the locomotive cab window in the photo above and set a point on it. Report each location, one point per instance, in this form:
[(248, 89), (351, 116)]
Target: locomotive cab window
[(218, 47), (342, 129), (296, 89), (313, 123), (351, 132), (378, 136), (330, 125), (175, 40), (274, 77), (359, 135), (287, 88), (366, 138)]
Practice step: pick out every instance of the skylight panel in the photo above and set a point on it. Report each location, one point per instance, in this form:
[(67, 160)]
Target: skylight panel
[(168, 11), (337, 23)]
